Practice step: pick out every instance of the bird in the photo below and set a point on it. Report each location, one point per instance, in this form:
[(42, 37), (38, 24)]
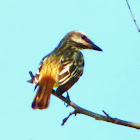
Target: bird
[(61, 68)]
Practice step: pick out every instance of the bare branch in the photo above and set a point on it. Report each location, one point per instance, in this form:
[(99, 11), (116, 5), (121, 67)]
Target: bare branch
[(134, 19), (106, 118), (65, 119), (80, 110)]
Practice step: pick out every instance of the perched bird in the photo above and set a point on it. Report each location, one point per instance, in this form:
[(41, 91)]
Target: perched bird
[(61, 68)]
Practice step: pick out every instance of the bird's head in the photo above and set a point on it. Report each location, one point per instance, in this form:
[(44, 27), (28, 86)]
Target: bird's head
[(81, 41)]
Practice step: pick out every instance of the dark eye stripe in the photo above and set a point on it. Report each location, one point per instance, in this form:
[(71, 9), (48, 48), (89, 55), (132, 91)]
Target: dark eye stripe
[(85, 38)]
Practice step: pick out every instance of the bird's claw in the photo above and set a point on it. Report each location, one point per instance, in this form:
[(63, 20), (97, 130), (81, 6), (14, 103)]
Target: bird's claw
[(68, 100)]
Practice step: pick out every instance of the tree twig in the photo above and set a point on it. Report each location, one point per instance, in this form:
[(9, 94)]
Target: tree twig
[(134, 19), (65, 119), (80, 110)]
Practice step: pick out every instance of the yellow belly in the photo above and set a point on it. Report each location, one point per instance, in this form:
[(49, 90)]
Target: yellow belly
[(56, 85)]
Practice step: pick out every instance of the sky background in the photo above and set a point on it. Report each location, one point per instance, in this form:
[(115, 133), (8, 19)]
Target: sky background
[(30, 29)]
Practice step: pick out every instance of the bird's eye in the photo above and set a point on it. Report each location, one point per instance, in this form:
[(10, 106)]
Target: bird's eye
[(83, 37)]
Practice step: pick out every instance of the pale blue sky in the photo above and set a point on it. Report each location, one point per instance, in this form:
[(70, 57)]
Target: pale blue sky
[(30, 29)]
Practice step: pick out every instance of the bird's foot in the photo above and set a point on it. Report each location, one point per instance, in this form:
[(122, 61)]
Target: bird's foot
[(67, 99)]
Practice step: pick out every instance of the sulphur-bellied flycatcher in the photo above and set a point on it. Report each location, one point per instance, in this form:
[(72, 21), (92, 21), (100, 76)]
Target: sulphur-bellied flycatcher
[(61, 68)]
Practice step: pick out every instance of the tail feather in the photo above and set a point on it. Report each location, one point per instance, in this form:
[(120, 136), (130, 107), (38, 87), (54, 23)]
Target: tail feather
[(42, 97)]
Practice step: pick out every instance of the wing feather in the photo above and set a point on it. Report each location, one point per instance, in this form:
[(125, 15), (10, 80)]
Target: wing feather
[(70, 67)]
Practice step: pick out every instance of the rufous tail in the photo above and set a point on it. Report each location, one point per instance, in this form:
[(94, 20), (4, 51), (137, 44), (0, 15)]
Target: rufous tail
[(42, 97)]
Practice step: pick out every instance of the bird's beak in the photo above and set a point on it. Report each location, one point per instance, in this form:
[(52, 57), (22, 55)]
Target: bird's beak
[(94, 47)]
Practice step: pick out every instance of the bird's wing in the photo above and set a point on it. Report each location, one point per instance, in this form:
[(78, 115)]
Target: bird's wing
[(70, 71)]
